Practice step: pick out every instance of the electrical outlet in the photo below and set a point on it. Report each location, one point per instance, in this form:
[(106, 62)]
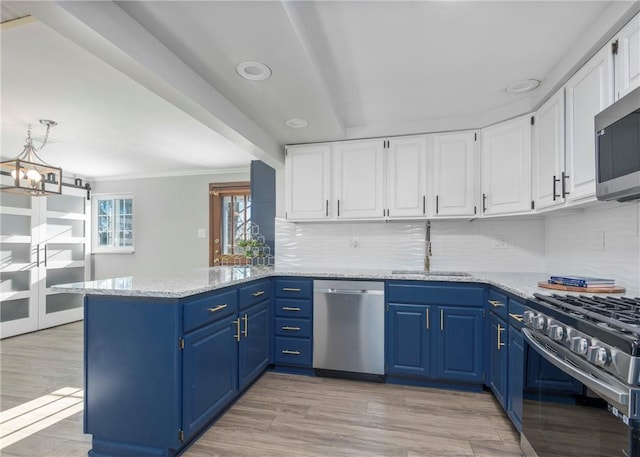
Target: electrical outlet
[(202, 233), (500, 242), (598, 240)]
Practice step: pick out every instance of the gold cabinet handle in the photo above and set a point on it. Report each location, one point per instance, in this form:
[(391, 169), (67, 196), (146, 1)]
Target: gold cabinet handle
[(496, 303), (293, 329), (427, 319), (246, 326), (442, 319), (217, 308), (237, 335), (287, 351), (257, 294), (500, 329), (290, 308), (291, 289), (517, 317)]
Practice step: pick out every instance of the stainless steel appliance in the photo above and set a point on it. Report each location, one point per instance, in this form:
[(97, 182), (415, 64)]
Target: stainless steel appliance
[(617, 149), (596, 341), (348, 327)]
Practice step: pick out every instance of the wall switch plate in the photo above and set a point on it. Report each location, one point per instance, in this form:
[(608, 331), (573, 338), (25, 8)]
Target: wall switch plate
[(202, 233), (500, 242), (598, 240)]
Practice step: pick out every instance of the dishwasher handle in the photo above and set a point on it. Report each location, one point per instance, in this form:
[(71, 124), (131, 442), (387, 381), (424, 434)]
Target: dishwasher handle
[(350, 291)]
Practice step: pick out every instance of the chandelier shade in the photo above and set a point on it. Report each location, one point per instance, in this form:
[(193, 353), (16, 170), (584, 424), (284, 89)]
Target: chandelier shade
[(28, 173)]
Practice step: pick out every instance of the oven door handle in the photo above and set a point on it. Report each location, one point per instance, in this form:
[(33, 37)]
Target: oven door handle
[(607, 391)]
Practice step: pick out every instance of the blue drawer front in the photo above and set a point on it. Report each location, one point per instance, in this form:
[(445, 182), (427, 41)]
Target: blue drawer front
[(422, 293), (254, 293), (516, 313), (294, 288), (209, 308), (293, 308), (498, 303), (299, 328), (293, 351)]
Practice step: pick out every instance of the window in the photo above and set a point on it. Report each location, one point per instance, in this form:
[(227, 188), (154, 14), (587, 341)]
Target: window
[(113, 223), (230, 210)]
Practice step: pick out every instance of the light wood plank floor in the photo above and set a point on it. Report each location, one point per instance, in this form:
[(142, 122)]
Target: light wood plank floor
[(281, 415)]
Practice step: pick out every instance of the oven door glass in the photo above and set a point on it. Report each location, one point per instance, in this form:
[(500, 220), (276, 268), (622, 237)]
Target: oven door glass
[(564, 424)]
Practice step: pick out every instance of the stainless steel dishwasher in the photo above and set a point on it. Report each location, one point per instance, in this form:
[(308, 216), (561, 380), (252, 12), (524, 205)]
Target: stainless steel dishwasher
[(348, 328)]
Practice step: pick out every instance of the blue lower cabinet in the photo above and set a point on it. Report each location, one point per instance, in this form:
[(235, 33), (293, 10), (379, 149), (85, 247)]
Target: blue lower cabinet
[(499, 358), (460, 344), (408, 340), (253, 355), (209, 373), (516, 377), (293, 351)]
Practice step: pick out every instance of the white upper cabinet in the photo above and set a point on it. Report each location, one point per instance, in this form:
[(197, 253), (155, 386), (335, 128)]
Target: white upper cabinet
[(506, 167), (627, 58), (455, 170), (407, 177), (549, 178), (587, 93), (308, 178), (358, 185)]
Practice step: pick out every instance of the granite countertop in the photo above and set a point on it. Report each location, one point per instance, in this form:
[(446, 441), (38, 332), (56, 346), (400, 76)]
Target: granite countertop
[(201, 280)]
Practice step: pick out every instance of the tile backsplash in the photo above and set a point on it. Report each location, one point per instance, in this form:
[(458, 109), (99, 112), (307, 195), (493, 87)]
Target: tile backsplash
[(602, 239)]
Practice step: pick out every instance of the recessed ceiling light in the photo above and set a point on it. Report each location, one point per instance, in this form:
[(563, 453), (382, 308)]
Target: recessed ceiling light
[(522, 86), (296, 123), (255, 71)]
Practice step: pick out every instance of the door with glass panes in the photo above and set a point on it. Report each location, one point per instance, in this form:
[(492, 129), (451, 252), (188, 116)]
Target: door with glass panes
[(230, 223)]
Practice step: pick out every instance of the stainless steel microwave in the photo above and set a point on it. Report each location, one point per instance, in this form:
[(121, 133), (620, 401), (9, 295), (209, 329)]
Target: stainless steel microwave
[(618, 149)]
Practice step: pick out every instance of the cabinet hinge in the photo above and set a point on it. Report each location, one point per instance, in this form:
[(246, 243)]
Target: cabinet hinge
[(533, 204), (181, 343), (475, 210), (533, 120), (484, 315), (614, 48), (181, 435), (475, 137)]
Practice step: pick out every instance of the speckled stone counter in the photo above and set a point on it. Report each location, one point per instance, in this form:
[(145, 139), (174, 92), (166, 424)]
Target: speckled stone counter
[(201, 280)]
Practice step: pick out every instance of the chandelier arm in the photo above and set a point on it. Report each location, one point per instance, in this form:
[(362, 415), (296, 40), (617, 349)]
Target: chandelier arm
[(40, 159)]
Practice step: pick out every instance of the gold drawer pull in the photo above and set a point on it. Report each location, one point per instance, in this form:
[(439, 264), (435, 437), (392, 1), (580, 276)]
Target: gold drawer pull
[(291, 289), (496, 303), (257, 294), (290, 308), (287, 351), (217, 308), (293, 329), (517, 317)]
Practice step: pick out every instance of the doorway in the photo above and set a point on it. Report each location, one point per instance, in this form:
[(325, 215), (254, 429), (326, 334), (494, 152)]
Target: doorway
[(229, 222)]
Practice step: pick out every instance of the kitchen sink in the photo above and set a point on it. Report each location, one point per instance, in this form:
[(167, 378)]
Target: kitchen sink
[(429, 273)]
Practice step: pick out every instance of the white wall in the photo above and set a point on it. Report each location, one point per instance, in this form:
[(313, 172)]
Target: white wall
[(456, 245), (168, 213), (571, 246)]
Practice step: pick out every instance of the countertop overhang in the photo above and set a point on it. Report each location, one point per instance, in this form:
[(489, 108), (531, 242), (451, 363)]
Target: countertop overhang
[(201, 280)]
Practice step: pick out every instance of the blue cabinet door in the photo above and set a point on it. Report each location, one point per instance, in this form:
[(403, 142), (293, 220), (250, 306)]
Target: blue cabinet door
[(210, 373), (498, 334), (459, 343), (516, 377), (409, 339), (253, 357)]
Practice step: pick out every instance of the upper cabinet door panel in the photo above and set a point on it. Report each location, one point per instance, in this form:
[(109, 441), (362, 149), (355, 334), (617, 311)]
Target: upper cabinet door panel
[(308, 177), (588, 92), (407, 176), (548, 155), (506, 167), (454, 174), (359, 179), (627, 60)]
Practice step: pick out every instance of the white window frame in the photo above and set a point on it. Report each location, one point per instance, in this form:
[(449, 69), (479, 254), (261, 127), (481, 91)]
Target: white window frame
[(96, 248)]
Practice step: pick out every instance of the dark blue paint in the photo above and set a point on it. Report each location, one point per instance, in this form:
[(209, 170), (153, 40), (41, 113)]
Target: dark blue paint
[(499, 359), (516, 377), (254, 347), (459, 344), (196, 310), (408, 340), (293, 288), (263, 200)]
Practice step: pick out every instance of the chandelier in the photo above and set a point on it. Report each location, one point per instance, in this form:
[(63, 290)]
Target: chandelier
[(30, 174)]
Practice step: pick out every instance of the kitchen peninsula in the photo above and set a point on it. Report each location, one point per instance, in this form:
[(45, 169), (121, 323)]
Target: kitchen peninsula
[(164, 357)]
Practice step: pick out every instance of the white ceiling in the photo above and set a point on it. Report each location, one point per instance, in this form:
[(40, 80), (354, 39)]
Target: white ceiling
[(352, 69)]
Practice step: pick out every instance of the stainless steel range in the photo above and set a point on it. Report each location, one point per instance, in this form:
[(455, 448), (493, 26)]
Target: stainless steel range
[(596, 342)]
